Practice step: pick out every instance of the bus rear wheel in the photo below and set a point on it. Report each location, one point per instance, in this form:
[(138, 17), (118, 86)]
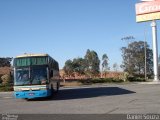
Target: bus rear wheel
[(57, 87), (52, 91)]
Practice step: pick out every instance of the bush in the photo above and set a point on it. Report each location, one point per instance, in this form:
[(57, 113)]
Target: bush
[(136, 79), (6, 88), (97, 80), (118, 80), (101, 80), (124, 77)]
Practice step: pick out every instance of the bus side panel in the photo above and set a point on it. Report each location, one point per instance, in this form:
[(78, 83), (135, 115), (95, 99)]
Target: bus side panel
[(55, 79)]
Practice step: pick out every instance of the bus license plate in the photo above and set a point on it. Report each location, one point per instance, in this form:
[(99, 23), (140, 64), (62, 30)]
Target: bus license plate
[(31, 94)]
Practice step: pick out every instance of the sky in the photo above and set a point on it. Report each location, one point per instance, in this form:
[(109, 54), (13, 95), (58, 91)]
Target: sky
[(65, 29)]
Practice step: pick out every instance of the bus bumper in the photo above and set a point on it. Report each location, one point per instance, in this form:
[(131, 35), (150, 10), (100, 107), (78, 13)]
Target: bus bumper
[(32, 94)]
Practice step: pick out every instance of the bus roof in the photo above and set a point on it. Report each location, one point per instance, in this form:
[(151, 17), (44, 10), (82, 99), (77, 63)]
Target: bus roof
[(31, 55), (34, 59)]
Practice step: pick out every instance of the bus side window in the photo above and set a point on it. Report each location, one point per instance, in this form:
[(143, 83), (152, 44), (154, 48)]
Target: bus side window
[(51, 73)]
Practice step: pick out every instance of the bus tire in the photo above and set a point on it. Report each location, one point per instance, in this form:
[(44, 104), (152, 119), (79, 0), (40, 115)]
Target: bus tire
[(57, 87), (52, 91)]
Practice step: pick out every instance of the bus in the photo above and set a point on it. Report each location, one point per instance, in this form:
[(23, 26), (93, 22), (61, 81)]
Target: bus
[(35, 76)]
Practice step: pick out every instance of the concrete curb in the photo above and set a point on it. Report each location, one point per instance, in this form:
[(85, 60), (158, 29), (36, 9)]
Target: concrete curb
[(150, 83)]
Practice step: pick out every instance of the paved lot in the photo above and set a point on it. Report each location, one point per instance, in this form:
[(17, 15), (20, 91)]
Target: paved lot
[(98, 99)]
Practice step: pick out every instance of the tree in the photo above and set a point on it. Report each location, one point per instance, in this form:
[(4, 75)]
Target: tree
[(79, 65), (128, 38), (115, 67), (75, 66), (68, 68), (5, 62), (134, 58), (92, 63), (89, 65), (105, 63)]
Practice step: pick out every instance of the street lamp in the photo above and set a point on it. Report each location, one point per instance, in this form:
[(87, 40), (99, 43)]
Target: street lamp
[(145, 55)]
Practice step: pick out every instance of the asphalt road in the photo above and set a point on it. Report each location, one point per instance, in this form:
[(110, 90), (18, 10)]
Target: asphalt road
[(98, 99)]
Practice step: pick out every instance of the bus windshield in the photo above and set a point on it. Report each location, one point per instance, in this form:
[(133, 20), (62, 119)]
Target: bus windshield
[(31, 76), (39, 75), (22, 76)]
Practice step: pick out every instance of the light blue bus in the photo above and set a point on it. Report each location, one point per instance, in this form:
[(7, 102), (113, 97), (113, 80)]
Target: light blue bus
[(35, 76)]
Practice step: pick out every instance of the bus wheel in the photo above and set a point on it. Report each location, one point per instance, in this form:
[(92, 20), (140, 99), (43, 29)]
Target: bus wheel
[(52, 91), (57, 87)]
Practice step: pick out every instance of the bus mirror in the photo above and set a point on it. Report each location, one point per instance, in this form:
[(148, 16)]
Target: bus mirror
[(51, 73)]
